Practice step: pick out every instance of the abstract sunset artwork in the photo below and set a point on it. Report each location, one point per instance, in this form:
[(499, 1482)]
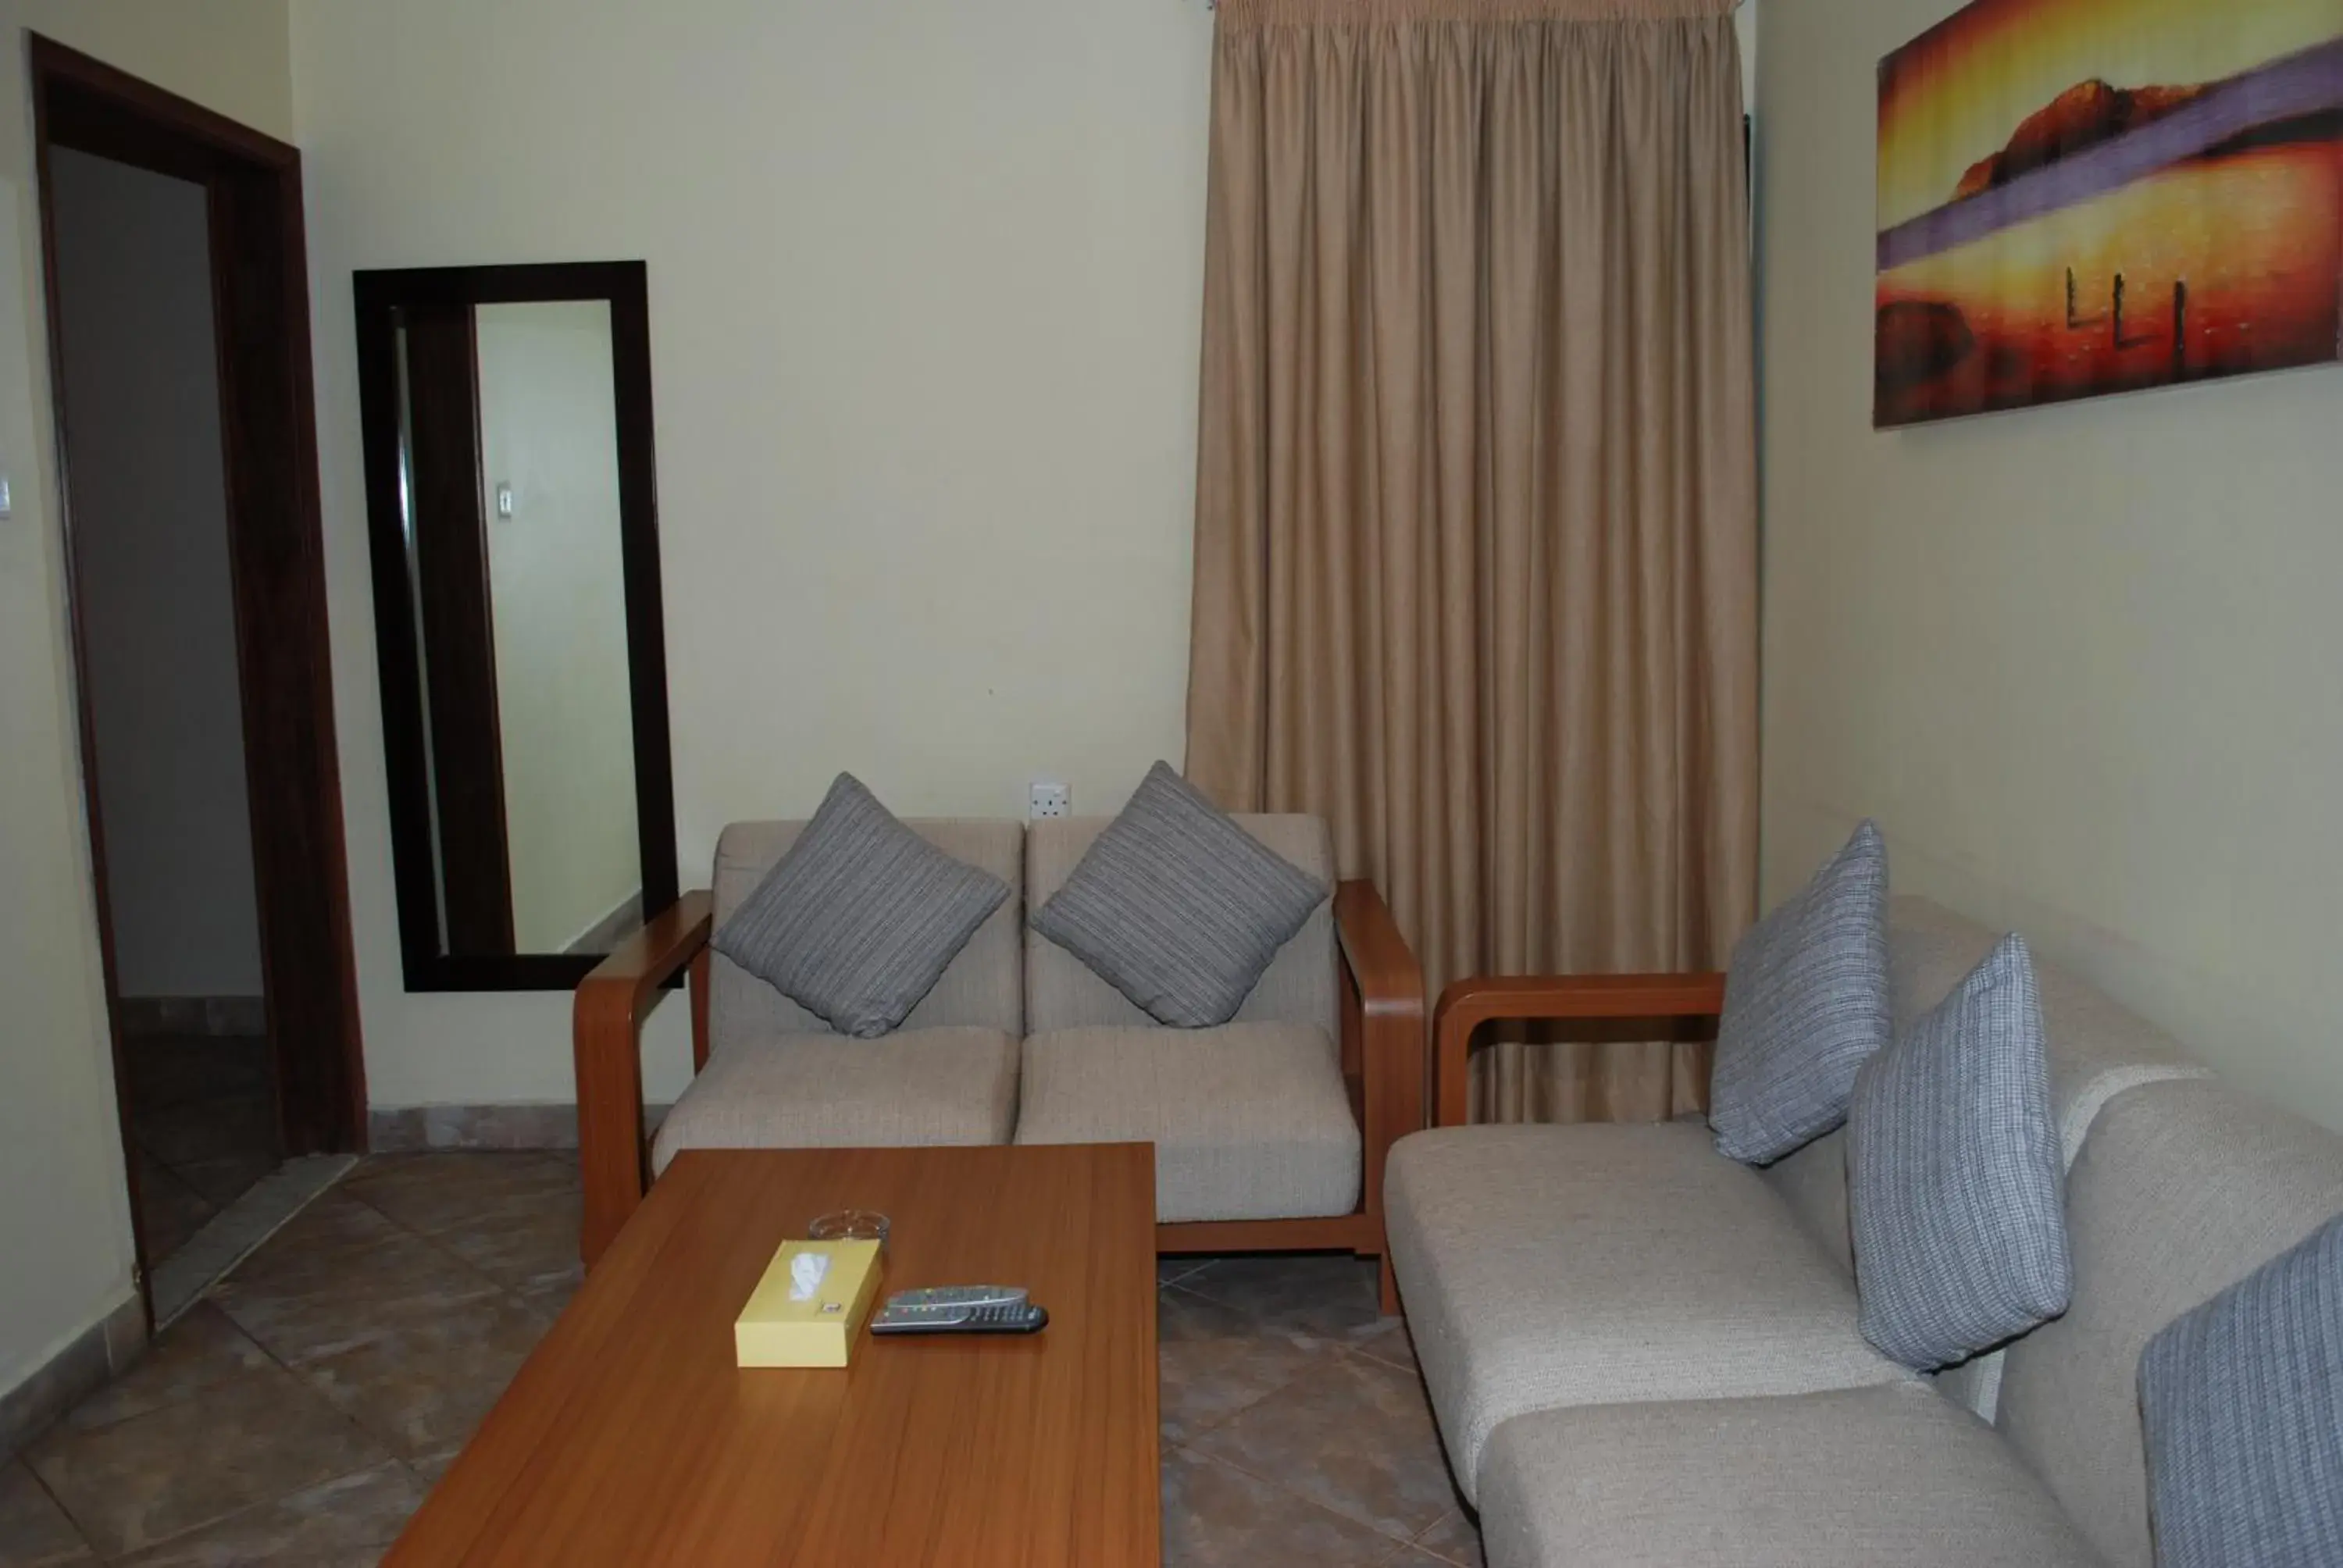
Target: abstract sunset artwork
[(2080, 197)]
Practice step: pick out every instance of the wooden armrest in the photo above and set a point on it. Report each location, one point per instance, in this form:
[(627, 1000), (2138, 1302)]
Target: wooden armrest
[(1468, 1004), (1390, 1025), (650, 958), (607, 1039), (1390, 979)]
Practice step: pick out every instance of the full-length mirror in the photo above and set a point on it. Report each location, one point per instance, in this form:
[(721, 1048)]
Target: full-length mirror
[(513, 512)]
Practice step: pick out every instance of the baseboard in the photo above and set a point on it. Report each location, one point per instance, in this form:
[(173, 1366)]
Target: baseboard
[(147, 1017), (412, 1129), (105, 1349)]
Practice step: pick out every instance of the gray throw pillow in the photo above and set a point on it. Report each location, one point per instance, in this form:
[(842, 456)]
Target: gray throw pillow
[(1957, 1187), (861, 917), (2242, 1403), (1805, 1005), (1177, 907)]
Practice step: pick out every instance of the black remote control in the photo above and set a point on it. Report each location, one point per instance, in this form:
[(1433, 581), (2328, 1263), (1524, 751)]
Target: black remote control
[(1018, 1318)]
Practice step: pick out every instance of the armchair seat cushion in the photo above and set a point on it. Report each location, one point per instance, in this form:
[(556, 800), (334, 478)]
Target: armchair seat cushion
[(1250, 1121), (1545, 1267), (1853, 1479), (920, 1087)]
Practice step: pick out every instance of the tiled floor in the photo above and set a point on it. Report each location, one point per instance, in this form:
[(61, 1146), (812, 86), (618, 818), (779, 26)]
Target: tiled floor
[(204, 1124), (299, 1415)]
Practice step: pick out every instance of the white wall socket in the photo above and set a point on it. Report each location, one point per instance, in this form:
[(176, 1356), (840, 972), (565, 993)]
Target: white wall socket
[(1051, 799)]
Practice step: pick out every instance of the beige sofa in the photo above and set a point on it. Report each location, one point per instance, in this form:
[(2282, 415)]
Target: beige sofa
[(1269, 1131), (1643, 1354)]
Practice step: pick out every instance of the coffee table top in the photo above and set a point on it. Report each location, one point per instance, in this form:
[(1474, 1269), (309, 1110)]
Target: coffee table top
[(630, 1437)]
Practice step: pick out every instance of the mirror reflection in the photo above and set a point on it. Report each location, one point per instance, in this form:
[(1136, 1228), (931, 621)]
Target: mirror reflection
[(510, 499)]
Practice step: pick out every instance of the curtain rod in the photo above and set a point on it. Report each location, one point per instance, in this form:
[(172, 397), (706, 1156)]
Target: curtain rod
[(1337, 12)]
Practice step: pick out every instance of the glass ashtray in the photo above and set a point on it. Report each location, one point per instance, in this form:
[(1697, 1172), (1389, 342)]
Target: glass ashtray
[(849, 1225)]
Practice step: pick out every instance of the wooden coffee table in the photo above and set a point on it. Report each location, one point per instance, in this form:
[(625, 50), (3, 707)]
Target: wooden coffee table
[(629, 1436)]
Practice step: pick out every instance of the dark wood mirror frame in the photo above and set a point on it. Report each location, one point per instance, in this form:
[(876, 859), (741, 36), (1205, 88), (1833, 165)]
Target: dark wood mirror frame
[(380, 296)]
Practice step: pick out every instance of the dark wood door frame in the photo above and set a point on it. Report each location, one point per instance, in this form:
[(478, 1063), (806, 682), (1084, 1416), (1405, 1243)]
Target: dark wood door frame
[(260, 304)]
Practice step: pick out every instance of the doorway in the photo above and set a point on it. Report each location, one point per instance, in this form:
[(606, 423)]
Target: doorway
[(179, 359)]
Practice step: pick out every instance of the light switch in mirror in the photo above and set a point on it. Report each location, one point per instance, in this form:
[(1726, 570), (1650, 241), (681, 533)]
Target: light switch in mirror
[(509, 456)]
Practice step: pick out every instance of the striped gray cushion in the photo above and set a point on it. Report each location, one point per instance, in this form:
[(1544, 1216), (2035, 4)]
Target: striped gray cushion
[(2242, 1402), (1177, 907), (861, 917), (1805, 1005), (1956, 1186)]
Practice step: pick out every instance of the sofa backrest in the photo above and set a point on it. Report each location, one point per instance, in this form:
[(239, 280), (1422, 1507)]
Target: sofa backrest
[(2097, 1051), (1061, 992), (2177, 1188), (2182, 1189), (984, 987)]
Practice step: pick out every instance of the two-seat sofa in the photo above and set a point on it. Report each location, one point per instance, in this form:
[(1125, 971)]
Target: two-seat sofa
[(1269, 1131), (1641, 1353)]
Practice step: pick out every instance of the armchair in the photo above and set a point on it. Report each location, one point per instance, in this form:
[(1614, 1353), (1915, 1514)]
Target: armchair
[(1376, 1007)]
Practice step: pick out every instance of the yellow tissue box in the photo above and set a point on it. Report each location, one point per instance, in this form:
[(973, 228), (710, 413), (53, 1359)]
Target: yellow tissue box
[(809, 1307)]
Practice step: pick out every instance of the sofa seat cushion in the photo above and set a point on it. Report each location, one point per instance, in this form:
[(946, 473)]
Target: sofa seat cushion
[(920, 1087), (1850, 1479), (1544, 1267), (1250, 1121)]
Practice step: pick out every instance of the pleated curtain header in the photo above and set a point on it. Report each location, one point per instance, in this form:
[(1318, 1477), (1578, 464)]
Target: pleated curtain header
[(1250, 14)]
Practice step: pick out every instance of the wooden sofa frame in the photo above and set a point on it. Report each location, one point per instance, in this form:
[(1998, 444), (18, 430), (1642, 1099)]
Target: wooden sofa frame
[(1468, 1004), (1383, 1065)]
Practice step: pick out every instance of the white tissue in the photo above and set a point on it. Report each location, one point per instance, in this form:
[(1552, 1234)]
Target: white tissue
[(807, 1271)]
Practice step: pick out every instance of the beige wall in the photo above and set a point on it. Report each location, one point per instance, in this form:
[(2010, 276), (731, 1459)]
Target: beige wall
[(924, 284), (64, 1212), (2084, 664)]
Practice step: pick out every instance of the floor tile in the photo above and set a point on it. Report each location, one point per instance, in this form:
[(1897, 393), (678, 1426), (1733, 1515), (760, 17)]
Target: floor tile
[(428, 1469), (344, 1522), (33, 1531), (1215, 1361), (170, 1210), (523, 1244), (1456, 1539), (424, 1386), (171, 1070), (234, 1233), (451, 1190), (225, 1178), (311, 1249), (1218, 1517), (1392, 1345), (550, 1299), (1356, 1437), (1329, 1296), (340, 1274), (207, 1129), (182, 1466), (1171, 1270), (201, 1351)]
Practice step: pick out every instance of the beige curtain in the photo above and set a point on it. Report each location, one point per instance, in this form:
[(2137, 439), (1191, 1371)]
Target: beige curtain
[(1476, 526)]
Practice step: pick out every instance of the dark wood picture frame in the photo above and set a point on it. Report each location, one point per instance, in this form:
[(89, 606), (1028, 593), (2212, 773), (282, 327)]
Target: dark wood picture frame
[(268, 431), (380, 296)]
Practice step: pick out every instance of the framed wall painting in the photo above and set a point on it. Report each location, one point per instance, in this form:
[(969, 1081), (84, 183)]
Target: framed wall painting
[(2080, 197)]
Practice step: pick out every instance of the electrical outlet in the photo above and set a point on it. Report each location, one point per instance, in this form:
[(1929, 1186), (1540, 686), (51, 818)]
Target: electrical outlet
[(1051, 799)]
